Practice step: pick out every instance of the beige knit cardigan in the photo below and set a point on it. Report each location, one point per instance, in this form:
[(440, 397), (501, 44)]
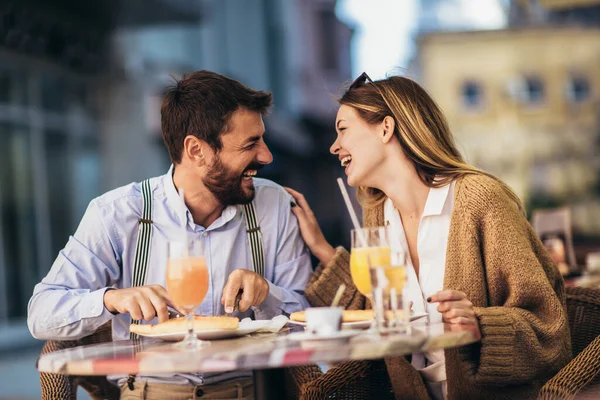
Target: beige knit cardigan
[(496, 258)]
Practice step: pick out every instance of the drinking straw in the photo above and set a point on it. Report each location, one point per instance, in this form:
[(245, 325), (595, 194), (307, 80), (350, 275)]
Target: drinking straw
[(183, 224), (338, 295), (353, 217)]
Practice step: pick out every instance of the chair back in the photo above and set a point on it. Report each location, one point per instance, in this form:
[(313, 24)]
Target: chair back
[(554, 224), (64, 387), (583, 309)]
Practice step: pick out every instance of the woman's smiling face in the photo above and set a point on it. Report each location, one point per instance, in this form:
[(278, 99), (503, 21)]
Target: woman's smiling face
[(358, 146)]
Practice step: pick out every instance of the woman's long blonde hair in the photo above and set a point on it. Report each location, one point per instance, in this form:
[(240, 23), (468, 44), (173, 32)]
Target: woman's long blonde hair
[(421, 128)]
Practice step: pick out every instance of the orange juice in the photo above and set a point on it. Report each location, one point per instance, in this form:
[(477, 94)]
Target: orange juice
[(359, 265), (187, 281), (396, 276)]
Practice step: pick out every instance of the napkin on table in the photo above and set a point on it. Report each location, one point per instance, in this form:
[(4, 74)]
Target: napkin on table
[(273, 325)]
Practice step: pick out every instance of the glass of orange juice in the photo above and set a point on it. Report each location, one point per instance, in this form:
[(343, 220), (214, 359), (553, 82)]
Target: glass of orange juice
[(367, 244), (396, 282), (187, 282), (388, 281)]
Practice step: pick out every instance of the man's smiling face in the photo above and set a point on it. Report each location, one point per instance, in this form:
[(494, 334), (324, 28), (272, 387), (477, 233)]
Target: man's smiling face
[(244, 152)]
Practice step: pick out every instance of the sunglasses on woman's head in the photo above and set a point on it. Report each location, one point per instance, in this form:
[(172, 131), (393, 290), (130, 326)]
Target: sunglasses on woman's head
[(358, 82)]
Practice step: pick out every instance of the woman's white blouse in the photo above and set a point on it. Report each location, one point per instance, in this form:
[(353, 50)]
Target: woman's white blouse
[(432, 241)]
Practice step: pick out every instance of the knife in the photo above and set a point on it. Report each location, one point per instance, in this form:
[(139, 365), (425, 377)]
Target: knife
[(175, 314)]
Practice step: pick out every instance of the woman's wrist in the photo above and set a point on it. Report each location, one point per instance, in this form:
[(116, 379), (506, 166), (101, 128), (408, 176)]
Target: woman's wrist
[(324, 253)]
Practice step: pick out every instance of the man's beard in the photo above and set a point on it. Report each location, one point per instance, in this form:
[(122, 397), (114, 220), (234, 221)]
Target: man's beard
[(226, 185)]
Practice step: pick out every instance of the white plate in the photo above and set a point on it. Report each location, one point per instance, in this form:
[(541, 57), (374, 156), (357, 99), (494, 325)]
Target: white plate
[(363, 324), (245, 327), (309, 337)]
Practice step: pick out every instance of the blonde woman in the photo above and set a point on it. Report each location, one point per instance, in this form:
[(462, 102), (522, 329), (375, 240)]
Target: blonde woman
[(474, 258)]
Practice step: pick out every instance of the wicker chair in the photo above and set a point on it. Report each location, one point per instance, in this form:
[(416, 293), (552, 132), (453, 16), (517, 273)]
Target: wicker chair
[(581, 377), (369, 380), (64, 387)]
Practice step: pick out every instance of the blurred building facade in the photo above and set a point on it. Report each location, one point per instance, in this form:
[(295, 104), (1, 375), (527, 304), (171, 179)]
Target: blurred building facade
[(524, 104), (554, 12), (79, 109)]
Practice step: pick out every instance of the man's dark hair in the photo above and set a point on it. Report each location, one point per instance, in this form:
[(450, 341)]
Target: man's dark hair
[(201, 104)]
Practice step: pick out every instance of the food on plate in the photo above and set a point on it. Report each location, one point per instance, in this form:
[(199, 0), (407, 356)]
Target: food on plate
[(175, 325), (347, 316)]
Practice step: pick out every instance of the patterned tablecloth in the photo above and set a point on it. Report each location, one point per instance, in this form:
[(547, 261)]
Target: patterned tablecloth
[(253, 352)]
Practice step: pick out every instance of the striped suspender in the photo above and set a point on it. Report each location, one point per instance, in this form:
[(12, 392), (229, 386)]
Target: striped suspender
[(254, 239), (142, 247)]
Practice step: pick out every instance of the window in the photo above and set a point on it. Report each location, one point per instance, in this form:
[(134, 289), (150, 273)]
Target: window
[(56, 147), (540, 178), (42, 160), (18, 250), (578, 89), (327, 41), (472, 95), (5, 95), (54, 93), (533, 90), (13, 87)]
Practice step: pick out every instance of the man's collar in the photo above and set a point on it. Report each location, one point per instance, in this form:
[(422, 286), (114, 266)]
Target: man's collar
[(183, 213)]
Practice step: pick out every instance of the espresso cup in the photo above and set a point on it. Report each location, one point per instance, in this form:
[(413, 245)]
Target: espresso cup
[(323, 320)]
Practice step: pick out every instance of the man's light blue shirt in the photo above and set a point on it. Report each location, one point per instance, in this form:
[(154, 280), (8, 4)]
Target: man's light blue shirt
[(69, 301)]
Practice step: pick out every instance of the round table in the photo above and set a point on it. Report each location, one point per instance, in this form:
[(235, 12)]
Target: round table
[(257, 352)]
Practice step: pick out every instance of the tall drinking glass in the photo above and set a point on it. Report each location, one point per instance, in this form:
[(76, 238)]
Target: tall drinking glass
[(369, 245), (374, 246), (396, 277), (187, 283), (388, 282)]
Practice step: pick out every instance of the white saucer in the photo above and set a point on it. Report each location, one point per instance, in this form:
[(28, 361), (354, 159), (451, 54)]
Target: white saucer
[(307, 337)]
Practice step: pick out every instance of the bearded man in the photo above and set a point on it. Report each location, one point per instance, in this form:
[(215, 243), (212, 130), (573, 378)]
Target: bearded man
[(213, 129)]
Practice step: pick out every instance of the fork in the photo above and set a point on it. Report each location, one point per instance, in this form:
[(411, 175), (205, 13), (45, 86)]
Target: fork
[(236, 304)]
